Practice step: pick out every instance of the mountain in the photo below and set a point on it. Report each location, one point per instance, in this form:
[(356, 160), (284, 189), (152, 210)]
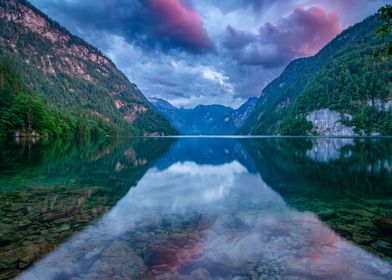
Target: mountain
[(239, 116), (71, 77), (342, 90), (205, 119)]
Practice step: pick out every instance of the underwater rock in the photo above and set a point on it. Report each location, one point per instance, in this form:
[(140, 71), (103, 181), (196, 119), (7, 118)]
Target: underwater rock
[(383, 246), (29, 253), (327, 214), (64, 227), (117, 249), (362, 238), (93, 253), (161, 255), (118, 261), (200, 274), (6, 275), (361, 213), (385, 223)]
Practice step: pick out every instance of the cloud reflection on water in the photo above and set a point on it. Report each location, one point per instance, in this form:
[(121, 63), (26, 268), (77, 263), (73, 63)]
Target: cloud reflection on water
[(202, 221)]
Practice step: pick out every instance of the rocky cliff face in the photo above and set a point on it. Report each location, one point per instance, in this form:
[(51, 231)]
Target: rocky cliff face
[(65, 70), (329, 123)]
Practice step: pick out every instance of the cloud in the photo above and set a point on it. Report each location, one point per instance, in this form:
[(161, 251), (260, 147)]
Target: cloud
[(194, 52), (152, 24), (256, 6), (302, 33), (162, 81), (180, 24)]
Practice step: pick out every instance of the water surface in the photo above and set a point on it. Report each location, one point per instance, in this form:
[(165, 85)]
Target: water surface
[(197, 208)]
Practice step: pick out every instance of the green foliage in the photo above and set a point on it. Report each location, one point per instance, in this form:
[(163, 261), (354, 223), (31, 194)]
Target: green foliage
[(353, 82), (154, 121), (24, 113), (296, 126), (385, 31)]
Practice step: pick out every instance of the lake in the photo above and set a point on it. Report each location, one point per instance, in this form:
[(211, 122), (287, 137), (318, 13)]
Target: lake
[(196, 208)]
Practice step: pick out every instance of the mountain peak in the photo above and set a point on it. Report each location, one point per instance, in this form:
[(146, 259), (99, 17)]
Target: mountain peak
[(162, 103)]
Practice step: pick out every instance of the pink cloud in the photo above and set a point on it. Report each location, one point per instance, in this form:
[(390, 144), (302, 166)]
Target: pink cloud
[(181, 23), (304, 32)]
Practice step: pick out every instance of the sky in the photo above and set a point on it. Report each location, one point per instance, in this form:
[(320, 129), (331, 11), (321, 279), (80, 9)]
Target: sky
[(192, 52)]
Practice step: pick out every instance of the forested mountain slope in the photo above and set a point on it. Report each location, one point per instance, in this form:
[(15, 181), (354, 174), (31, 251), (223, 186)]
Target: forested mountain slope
[(342, 90), (71, 77)]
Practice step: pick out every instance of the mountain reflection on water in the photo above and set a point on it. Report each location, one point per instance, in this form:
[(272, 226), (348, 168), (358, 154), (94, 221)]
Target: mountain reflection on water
[(220, 208)]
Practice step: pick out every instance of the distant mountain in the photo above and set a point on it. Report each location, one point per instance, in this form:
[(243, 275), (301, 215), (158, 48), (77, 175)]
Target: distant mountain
[(342, 90), (72, 77), (205, 119)]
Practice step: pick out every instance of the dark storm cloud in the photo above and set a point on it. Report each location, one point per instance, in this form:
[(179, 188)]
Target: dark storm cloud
[(177, 24), (178, 94), (302, 33), (169, 24), (163, 81)]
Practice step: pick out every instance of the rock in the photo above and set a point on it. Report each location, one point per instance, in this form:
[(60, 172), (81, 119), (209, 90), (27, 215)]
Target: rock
[(365, 224), (10, 257), (92, 253), (4, 266), (160, 269), (348, 219), (178, 239), (111, 268), (383, 247), (382, 267), (48, 217), (385, 223), (343, 228), (124, 264), (159, 256), (362, 238), (24, 223), (30, 253), (268, 271), (200, 274), (61, 221), (64, 227), (119, 250), (5, 240), (327, 122), (361, 212), (327, 214), (203, 224), (10, 274)]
